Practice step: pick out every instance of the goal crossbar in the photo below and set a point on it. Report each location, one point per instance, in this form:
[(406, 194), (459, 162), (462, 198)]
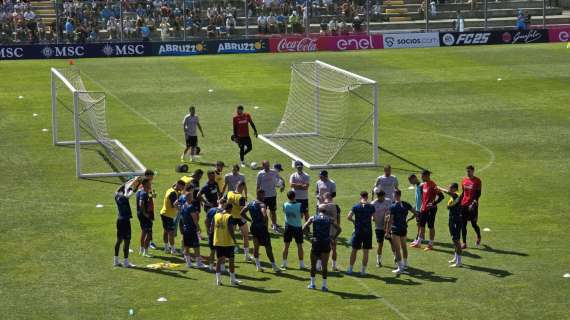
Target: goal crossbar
[(56, 76)]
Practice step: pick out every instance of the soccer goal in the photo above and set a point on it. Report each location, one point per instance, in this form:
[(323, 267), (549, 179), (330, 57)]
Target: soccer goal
[(331, 118), (80, 117)]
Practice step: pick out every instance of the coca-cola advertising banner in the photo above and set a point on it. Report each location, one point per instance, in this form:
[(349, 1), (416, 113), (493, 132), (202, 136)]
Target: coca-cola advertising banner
[(559, 35), (328, 43)]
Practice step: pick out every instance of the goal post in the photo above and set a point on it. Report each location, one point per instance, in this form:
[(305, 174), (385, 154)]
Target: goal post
[(80, 116), (330, 120)]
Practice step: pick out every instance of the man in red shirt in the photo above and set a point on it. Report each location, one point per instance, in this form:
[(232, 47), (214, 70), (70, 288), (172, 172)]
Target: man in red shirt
[(471, 187), (242, 120), (431, 196)]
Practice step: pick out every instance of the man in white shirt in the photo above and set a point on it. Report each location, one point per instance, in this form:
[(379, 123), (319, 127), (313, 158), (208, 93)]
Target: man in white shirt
[(233, 179), (324, 185), (299, 182), (381, 210), (190, 124), (387, 183), (268, 180)]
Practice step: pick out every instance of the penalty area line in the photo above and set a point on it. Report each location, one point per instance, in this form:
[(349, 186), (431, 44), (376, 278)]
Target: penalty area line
[(133, 110), (384, 300)]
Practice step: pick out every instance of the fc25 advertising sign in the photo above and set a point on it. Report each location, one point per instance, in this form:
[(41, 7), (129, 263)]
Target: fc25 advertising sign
[(411, 40), (493, 37)]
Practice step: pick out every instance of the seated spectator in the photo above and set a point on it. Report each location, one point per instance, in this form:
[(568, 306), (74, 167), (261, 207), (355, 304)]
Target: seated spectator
[(343, 28), (262, 24), (346, 9), (164, 26), (231, 24), (272, 23), (211, 30), (294, 22), (527, 19), (92, 35), (357, 24), (69, 29), (112, 28), (333, 27), (324, 28), (377, 11), (281, 23)]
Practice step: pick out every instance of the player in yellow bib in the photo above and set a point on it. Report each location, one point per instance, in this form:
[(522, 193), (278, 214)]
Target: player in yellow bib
[(168, 213), (224, 241), (238, 201)]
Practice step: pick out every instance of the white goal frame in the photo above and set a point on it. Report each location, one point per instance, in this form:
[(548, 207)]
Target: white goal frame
[(77, 142), (376, 91)]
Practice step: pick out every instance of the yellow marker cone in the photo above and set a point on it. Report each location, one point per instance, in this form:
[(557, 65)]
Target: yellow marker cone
[(567, 45)]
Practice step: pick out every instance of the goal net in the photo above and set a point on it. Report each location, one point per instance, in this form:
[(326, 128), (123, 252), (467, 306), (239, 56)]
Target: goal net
[(79, 119), (331, 118)]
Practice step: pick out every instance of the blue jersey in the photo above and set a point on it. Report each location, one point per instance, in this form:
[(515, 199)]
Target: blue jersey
[(321, 228), (418, 197), (399, 212), (188, 210), (293, 214), (257, 218), (363, 213), (211, 192), (142, 201)]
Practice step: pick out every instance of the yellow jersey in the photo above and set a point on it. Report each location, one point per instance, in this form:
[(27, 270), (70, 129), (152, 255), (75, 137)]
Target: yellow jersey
[(219, 180), (238, 202), (222, 235), (168, 209), (186, 179)]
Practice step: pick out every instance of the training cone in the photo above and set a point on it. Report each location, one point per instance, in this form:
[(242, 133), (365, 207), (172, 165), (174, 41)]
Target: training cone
[(567, 45)]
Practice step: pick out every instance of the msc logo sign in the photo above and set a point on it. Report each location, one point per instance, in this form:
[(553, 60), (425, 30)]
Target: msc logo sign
[(10, 53), (65, 51), (123, 50)]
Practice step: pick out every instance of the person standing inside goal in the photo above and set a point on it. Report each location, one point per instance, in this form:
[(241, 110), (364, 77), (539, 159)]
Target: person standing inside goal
[(190, 124), (241, 123)]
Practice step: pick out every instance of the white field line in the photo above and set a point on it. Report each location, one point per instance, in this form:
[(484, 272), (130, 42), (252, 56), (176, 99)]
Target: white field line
[(384, 300), (133, 110), (477, 144)]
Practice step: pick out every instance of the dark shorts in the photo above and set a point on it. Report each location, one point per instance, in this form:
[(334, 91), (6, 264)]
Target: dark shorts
[(400, 232), (320, 247), (190, 239), (271, 203), (244, 141), (293, 233), (227, 252), (167, 223), (380, 235), (261, 234), (191, 141), (455, 225), (428, 217), (470, 215), (304, 205), (124, 229), (361, 240), (238, 221), (211, 240), (145, 223)]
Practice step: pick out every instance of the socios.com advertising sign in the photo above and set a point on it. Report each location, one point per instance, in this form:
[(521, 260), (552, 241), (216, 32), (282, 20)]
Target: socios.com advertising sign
[(411, 40)]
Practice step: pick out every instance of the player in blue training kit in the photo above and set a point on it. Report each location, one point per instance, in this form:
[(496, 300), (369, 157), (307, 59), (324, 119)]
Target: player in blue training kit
[(189, 213), (398, 226), (321, 245), (122, 195), (361, 215), (258, 229)]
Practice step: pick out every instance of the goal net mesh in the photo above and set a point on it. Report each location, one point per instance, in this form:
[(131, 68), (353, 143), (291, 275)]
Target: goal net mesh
[(92, 111), (329, 116)]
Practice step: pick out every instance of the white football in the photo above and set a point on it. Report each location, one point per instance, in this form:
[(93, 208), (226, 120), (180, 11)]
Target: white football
[(253, 165)]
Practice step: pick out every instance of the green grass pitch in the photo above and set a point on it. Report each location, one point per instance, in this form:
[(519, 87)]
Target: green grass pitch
[(440, 108)]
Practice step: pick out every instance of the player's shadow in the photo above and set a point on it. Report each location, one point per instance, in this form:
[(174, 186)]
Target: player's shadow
[(396, 280), (172, 259), (248, 278), (169, 273), (428, 275), (290, 276), (500, 251), (499, 273), (463, 253), (254, 289), (353, 296)]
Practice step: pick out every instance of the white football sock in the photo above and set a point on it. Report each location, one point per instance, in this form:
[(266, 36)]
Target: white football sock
[(285, 263), (301, 264), (334, 264), (324, 282), (246, 252), (378, 258), (363, 269), (312, 281), (257, 263)]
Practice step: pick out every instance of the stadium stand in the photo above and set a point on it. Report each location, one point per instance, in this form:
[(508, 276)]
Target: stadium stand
[(79, 21)]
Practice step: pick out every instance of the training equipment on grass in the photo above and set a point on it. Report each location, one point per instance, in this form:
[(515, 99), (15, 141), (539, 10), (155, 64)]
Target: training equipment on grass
[(87, 117), (331, 118)]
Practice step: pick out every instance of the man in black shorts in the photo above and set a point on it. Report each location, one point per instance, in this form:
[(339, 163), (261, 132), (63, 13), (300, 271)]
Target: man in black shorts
[(455, 222), (224, 241), (293, 229), (241, 123), (122, 195), (191, 125), (321, 245), (145, 214), (258, 230), (361, 215)]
